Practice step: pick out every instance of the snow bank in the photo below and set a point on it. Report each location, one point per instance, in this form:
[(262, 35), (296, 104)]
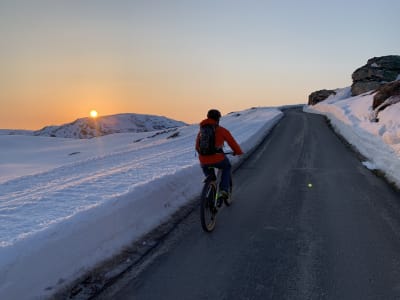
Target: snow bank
[(77, 212), (43, 262), (378, 142)]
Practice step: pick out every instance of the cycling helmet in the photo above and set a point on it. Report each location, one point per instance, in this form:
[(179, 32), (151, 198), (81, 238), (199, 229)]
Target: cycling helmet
[(214, 114)]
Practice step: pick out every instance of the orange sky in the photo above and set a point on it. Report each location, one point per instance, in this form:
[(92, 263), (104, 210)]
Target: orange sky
[(61, 59)]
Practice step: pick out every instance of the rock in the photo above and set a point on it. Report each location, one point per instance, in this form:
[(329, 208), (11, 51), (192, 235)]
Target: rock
[(387, 94), (363, 87), (386, 91), (319, 96), (377, 71)]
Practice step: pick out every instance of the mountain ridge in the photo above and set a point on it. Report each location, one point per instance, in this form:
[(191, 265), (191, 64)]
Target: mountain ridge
[(85, 128), (103, 125)]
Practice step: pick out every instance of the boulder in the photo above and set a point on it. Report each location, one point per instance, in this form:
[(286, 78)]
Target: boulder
[(377, 71), (386, 91), (387, 94), (319, 96)]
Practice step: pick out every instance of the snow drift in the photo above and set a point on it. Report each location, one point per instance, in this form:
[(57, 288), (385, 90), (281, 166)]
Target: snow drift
[(67, 205)]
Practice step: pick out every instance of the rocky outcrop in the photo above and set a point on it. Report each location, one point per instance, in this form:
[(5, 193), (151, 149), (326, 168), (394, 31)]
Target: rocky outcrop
[(387, 94), (386, 91), (377, 71), (319, 96)]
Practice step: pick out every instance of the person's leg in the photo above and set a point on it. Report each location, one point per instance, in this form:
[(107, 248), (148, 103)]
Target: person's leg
[(225, 165)]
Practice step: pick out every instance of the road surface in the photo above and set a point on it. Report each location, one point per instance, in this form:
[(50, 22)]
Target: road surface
[(308, 222)]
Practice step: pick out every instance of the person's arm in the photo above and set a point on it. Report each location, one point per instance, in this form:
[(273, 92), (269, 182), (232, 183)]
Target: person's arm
[(232, 143)]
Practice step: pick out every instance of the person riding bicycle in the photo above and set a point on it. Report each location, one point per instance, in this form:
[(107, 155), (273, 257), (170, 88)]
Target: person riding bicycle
[(218, 159)]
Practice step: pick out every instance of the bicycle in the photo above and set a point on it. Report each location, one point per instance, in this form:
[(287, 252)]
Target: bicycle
[(209, 198)]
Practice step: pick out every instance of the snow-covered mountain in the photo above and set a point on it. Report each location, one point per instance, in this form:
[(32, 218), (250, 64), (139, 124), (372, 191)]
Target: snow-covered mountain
[(84, 200), (15, 132), (91, 127)]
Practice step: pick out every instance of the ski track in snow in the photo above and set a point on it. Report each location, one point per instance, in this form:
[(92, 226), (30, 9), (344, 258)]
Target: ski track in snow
[(87, 207), (29, 196), (31, 203)]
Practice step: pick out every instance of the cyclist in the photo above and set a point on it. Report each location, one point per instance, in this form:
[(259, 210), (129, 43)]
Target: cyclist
[(218, 159)]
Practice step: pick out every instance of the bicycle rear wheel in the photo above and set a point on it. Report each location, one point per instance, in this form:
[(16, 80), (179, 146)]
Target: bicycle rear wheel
[(207, 208)]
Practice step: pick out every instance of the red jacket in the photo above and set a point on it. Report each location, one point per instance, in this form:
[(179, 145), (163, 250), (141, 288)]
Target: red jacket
[(221, 135)]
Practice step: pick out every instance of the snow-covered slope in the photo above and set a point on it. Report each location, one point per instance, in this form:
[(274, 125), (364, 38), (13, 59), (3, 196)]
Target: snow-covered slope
[(15, 132), (379, 141), (92, 127), (68, 204)]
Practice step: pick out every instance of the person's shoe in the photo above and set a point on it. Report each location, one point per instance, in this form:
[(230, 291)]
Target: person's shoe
[(223, 195)]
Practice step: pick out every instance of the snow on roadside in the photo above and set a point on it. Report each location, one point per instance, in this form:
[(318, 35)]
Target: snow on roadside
[(379, 141), (78, 210)]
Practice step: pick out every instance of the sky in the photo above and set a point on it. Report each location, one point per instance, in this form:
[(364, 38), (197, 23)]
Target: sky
[(179, 58)]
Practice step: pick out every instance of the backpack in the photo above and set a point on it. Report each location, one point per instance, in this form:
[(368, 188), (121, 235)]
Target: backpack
[(207, 140)]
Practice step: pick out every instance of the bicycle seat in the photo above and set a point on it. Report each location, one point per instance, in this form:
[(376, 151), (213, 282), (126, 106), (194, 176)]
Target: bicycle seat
[(210, 178)]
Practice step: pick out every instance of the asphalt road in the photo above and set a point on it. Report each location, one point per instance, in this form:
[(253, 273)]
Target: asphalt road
[(281, 239)]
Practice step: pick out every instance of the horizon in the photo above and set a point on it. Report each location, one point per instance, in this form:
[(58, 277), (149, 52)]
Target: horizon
[(61, 60), (98, 116)]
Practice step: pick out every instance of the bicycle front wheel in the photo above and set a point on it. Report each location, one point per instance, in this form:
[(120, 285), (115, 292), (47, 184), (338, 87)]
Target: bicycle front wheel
[(207, 207)]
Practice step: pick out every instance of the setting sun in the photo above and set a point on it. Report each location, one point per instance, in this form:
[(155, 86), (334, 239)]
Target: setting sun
[(93, 113)]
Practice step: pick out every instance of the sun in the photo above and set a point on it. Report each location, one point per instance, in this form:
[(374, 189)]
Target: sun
[(93, 113)]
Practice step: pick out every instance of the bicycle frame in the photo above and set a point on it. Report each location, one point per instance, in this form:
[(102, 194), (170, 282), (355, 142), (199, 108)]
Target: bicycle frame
[(215, 182)]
